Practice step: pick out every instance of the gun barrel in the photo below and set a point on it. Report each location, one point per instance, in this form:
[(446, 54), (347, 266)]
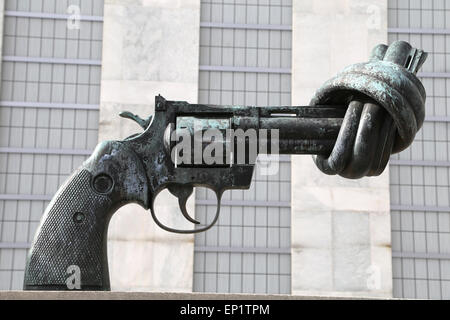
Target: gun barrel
[(303, 135), (307, 146), (265, 130), (303, 128)]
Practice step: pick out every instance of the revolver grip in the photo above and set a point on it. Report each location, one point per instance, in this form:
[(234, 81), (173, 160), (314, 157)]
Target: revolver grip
[(69, 250)]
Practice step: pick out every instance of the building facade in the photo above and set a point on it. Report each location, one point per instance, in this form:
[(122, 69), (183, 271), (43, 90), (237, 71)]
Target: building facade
[(70, 66)]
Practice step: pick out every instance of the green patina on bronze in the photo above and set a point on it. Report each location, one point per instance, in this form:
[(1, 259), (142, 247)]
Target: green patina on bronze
[(354, 123)]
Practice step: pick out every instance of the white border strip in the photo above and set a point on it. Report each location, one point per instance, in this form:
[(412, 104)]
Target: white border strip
[(437, 119), (420, 163), (245, 69), (402, 207), (434, 74), (419, 30), (15, 245), (43, 15), (49, 105), (244, 203), (53, 60), (74, 152), (26, 197), (245, 26), (242, 249), (421, 255)]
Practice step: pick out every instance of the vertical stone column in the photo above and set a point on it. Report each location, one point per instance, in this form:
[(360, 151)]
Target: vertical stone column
[(341, 236), (2, 14), (149, 48)]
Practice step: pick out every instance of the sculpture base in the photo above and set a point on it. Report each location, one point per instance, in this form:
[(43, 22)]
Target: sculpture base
[(102, 295)]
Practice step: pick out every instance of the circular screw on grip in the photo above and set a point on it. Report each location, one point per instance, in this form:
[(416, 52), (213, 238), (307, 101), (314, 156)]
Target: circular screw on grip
[(78, 217), (386, 108), (103, 183)]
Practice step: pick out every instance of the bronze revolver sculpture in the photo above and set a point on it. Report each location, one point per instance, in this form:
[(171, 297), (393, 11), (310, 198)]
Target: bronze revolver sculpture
[(353, 124)]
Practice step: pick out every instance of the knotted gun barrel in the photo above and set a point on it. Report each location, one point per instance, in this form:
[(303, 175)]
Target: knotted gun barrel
[(386, 108)]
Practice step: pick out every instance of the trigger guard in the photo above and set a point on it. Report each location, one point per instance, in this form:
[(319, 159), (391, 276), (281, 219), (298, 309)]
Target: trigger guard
[(162, 226)]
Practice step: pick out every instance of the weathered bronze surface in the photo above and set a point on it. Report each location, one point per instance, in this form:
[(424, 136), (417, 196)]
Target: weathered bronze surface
[(353, 124), (385, 110)]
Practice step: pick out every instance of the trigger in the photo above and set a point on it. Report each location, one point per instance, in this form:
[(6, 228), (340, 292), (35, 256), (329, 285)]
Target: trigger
[(183, 193)]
